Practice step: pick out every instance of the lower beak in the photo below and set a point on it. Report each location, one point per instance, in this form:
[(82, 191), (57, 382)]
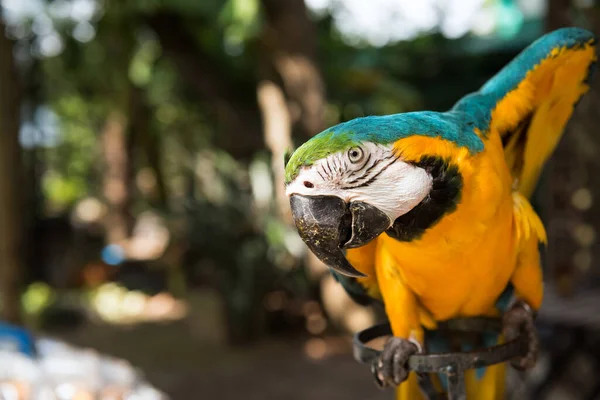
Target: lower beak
[(328, 225)]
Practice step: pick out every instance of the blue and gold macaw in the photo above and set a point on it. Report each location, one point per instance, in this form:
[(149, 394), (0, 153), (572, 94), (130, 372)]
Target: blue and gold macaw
[(429, 211)]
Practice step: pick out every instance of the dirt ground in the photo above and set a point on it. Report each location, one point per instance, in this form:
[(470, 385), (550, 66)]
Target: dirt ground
[(185, 367)]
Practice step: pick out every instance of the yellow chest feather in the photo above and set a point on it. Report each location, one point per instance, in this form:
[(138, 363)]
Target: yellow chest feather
[(461, 265)]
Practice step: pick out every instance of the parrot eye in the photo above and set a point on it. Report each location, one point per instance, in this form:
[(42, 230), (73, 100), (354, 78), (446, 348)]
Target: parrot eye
[(356, 154)]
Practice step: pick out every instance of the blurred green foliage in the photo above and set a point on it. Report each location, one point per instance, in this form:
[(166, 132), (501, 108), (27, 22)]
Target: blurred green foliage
[(184, 88)]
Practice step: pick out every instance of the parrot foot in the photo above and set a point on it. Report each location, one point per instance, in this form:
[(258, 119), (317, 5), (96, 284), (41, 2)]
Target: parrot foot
[(518, 320), (391, 368)]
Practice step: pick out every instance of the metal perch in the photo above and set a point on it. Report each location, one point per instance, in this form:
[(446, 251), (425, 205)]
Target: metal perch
[(452, 364)]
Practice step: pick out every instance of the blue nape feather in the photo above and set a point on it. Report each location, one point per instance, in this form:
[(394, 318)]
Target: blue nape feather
[(454, 126)]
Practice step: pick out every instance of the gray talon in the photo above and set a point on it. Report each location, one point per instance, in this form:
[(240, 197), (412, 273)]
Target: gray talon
[(519, 320), (391, 368)]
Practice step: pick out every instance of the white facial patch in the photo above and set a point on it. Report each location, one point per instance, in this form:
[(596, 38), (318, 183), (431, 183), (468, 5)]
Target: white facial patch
[(372, 174)]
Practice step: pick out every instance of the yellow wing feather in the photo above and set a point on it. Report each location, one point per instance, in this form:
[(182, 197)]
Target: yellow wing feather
[(527, 222), (532, 117)]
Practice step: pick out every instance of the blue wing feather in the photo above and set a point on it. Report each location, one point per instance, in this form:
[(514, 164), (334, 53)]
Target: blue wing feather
[(479, 105)]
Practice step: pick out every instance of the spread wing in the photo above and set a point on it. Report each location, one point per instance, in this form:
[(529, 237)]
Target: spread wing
[(530, 101)]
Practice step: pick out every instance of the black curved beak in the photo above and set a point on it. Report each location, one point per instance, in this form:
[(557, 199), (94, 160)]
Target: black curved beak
[(328, 225)]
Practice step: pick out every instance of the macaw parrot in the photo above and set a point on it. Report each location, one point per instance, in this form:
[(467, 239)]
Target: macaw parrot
[(428, 212)]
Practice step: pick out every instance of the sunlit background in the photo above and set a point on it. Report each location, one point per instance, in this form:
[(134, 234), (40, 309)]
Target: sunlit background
[(142, 212)]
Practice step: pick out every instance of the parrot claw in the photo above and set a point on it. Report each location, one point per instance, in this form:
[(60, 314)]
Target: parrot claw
[(518, 320), (390, 368)]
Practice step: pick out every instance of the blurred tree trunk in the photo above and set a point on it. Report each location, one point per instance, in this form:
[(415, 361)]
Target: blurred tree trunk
[(33, 160), (290, 88), (117, 137), (152, 145), (117, 177), (11, 212), (140, 131), (571, 184), (559, 14), (278, 137), (290, 37)]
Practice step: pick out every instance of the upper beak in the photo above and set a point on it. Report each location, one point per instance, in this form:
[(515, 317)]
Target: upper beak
[(328, 225)]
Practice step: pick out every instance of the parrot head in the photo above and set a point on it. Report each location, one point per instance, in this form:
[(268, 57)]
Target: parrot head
[(350, 183)]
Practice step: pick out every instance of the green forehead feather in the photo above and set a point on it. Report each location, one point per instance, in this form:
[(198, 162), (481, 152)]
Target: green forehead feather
[(319, 147)]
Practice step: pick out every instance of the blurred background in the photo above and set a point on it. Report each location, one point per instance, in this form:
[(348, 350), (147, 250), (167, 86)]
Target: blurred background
[(142, 208)]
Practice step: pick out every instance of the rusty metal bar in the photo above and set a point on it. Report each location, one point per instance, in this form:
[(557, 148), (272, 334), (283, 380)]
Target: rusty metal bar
[(456, 383)]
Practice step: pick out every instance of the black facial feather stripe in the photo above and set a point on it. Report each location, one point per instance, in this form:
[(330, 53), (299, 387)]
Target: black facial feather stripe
[(369, 169), (329, 168), (442, 199), (372, 179), (366, 163), (365, 176), (353, 173), (383, 159), (368, 180)]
